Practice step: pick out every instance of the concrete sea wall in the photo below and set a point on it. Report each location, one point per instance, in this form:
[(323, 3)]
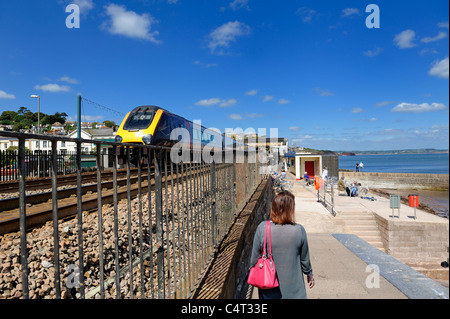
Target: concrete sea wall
[(398, 180), (417, 244)]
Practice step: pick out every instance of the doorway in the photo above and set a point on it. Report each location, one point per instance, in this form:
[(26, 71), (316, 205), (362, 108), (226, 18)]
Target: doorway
[(309, 168)]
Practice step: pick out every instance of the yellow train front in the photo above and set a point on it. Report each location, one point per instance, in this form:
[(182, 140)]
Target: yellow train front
[(153, 125), (139, 125)]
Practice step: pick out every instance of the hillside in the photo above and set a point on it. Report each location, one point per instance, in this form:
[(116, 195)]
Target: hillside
[(406, 151)]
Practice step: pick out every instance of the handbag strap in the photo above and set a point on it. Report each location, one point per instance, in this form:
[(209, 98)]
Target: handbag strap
[(265, 239), (270, 238)]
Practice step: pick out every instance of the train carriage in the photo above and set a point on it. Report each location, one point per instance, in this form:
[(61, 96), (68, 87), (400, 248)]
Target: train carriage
[(153, 125)]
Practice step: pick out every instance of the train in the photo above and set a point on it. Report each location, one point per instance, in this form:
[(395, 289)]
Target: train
[(154, 125)]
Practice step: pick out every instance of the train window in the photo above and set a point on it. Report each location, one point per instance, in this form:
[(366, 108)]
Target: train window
[(162, 131), (138, 120), (176, 122)]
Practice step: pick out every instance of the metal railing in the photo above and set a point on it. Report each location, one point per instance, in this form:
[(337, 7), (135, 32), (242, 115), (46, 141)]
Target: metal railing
[(37, 163), (325, 194), (156, 242)]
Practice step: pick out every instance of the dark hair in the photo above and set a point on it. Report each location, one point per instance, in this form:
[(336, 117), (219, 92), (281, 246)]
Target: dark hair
[(283, 208)]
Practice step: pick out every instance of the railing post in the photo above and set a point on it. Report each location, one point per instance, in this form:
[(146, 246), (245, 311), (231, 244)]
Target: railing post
[(100, 222), (213, 204), (54, 171), (23, 224), (159, 223), (233, 185), (80, 221)]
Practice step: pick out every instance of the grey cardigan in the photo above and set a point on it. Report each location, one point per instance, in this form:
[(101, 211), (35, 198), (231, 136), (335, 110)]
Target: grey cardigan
[(290, 255)]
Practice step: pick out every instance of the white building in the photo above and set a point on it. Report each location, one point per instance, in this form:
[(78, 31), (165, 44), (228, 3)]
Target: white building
[(312, 164), (62, 146), (103, 134)]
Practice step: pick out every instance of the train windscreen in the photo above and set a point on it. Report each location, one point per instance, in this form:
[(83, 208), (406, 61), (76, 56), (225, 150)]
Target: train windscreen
[(139, 120)]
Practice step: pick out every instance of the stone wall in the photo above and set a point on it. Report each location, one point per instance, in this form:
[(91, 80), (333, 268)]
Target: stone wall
[(331, 162), (398, 180), (415, 243), (227, 272)]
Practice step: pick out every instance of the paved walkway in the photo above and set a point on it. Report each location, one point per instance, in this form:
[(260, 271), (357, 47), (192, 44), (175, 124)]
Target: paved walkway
[(341, 260)]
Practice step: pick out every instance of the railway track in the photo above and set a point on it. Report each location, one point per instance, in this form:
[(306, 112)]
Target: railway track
[(71, 179), (40, 207), (34, 199)]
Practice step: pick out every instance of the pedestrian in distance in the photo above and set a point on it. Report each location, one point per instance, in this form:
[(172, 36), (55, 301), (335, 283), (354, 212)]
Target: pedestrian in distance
[(289, 249), (357, 166), (325, 174)]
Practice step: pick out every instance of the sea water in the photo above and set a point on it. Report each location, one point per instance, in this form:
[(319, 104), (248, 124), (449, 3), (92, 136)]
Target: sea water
[(398, 163), (407, 163)]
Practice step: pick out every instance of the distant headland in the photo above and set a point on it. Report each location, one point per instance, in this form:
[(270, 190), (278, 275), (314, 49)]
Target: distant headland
[(389, 152)]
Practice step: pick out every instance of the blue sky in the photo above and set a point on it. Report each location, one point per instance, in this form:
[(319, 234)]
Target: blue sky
[(312, 69)]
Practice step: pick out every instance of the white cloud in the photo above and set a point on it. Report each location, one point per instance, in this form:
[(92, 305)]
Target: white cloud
[(440, 69), (418, 108), (283, 101), (130, 24), (69, 80), (227, 103), (205, 65), (54, 88), (358, 110), (93, 118), (392, 132), (385, 103), (254, 115), (306, 14), (323, 92), (294, 128), (267, 98), (208, 102), (373, 52), (251, 92), (221, 37), (350, 11), (441, 35), (217, 101), (443, 25), (404, 40), (426, 51), (239, 4), (235, 116), (4, 95), (84, 5)]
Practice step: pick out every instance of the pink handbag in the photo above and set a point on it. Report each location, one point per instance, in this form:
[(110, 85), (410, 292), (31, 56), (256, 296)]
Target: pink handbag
[(263, 275)]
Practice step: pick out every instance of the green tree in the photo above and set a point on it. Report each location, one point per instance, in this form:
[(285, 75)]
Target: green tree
[(6, 118), (109, 123)]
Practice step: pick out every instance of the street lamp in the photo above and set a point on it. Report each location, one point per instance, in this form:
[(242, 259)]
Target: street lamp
[(39, 126), (39, 110)]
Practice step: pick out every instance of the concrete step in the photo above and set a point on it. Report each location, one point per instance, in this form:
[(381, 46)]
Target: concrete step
[(359, 221), (363, 225), (367, 233), (358, 214), (360, 218)]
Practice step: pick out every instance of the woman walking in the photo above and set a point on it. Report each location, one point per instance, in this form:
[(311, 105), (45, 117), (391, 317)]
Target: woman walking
[(289, 248)]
